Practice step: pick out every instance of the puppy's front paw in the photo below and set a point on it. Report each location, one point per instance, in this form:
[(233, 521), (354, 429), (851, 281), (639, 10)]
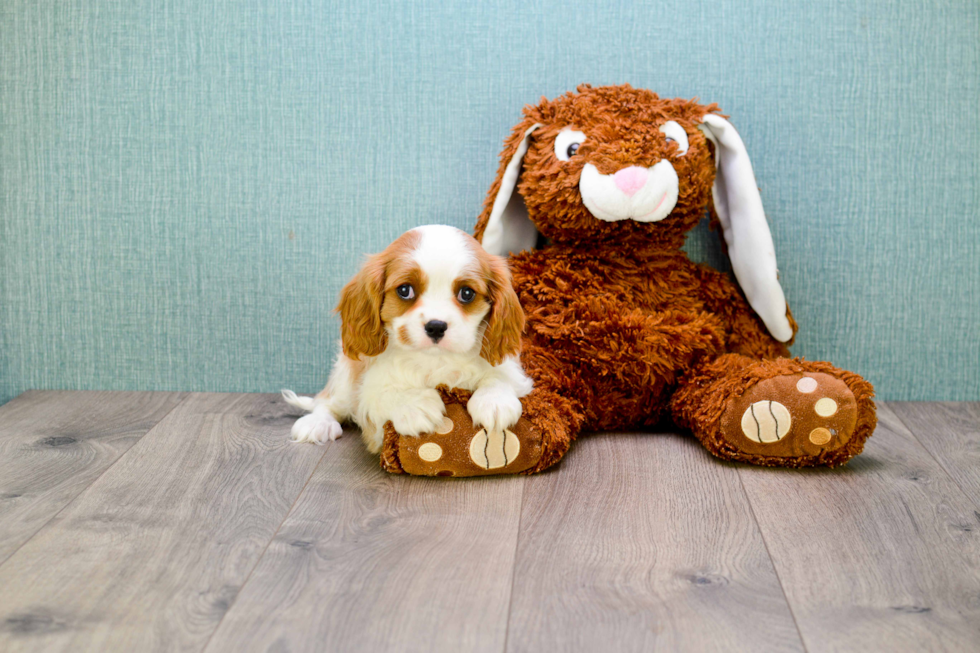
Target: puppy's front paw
[(494, 408), (423, 414), (317, 427)]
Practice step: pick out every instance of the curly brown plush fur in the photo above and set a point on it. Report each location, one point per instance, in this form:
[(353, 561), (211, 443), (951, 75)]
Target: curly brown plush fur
[(622, 328)]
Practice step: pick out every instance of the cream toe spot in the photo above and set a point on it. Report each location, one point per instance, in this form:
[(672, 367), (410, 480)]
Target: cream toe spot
[(820, 436), (445, 427), (825, 407), (766, 421), (806, 385), (430, 452)]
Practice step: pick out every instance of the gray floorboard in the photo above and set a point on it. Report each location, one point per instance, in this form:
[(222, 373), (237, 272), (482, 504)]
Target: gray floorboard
[(158, 521), (152, 554), (368, 561), (951, 433), (881, 554), (640, 543), (54, 444)]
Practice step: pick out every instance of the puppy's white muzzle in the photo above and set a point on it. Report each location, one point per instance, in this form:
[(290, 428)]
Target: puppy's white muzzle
[(633, 193)]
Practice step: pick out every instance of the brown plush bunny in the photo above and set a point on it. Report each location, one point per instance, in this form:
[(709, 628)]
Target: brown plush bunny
[(593, 200)]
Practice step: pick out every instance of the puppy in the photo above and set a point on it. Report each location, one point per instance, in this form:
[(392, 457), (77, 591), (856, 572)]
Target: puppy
[(433, 308)]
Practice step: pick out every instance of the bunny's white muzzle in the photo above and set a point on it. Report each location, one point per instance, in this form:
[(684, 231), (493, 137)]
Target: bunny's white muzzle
[(633, 193)]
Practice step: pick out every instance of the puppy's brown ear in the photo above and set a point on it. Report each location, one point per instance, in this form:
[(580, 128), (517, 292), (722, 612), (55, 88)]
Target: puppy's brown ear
[(362, 331), (504, 226), (505, 321)]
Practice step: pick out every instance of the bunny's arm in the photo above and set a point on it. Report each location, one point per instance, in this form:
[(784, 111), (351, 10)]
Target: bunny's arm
[(745, 332)]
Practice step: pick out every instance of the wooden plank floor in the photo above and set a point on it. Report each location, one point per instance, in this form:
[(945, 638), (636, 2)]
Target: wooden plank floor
[(164, 521)]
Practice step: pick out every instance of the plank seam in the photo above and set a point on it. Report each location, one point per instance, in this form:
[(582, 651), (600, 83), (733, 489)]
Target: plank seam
[(513, 567), (264, 550), (85, 489), (765, 544), (949, 475)]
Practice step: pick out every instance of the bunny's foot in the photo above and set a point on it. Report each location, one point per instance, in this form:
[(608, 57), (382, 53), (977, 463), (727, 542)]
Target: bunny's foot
[(458, 448), (780, 412), (791, 416)]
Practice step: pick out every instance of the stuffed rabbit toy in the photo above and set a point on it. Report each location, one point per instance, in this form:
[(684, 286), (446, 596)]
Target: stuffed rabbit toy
[(595, 194)]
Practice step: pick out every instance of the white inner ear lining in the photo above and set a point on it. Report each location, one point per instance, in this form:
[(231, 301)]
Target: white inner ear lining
[(746, 231), (508, 228)]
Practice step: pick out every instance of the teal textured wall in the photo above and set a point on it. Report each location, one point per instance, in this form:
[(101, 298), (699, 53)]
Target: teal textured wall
[(185, 185)]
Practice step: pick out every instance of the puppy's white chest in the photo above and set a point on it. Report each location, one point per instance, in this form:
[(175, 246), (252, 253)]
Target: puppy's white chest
[(454, 373), (427, 371), (453, 379)]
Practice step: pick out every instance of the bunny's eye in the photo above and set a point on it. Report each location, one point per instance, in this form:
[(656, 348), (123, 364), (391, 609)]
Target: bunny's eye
[(675, 134), (567, 143)]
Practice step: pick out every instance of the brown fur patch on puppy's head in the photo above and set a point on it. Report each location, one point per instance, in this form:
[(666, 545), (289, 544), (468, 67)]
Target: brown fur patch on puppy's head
[(622, 127), (370, 294), (504, 320), (402, 270)]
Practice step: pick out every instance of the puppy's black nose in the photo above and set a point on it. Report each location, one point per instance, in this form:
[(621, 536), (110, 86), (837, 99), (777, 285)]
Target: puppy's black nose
[(436, 329)]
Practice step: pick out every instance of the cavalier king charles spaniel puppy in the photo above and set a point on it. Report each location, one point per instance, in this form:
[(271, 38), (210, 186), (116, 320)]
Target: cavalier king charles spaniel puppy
[(433, 308)]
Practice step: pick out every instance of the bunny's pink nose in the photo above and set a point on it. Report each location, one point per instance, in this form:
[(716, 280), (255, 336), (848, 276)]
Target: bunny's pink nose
[(631, 179)]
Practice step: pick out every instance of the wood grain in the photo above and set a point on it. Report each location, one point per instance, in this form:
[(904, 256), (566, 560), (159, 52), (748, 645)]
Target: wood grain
[(154, 552), (951, 433), (167, 539), (882, 554), (637, 542), (373, 562), (54, 444)]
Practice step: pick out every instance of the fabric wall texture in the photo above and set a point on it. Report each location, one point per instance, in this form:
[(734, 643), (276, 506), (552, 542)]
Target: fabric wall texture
[(186, 185)]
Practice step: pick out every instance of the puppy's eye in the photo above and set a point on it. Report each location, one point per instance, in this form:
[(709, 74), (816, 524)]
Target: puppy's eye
[(675, 134), (405, 291), (466, 295), (567, 143)]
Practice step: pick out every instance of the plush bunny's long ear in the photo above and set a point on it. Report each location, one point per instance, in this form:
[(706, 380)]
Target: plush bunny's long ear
[(744, 225), (508, 228)]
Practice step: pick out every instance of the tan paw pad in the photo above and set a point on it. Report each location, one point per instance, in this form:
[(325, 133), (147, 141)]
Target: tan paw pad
[(494, 449), (766, 421)]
